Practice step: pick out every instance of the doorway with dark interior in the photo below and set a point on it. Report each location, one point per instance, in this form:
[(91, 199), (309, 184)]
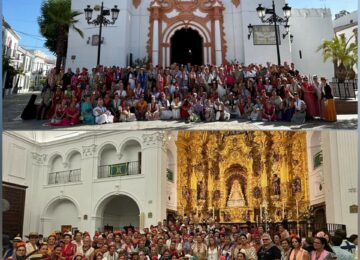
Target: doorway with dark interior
[(187, 47)]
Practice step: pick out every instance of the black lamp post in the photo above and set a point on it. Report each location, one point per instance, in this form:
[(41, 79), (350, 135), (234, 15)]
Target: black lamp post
[(101, 20), (275, 19)]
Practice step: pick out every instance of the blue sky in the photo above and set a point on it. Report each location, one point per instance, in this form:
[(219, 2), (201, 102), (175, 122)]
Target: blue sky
[(22, 16)]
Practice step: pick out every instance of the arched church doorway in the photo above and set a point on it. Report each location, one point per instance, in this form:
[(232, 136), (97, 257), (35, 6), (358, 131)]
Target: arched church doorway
[(60, 213), (120, 211), (187, 47)]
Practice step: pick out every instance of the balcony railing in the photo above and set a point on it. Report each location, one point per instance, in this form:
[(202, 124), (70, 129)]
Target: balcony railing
[(64, 177), (121, 169)]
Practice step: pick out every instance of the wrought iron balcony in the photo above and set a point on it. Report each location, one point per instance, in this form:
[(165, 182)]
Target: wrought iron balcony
[(121, 169), (64, 177)]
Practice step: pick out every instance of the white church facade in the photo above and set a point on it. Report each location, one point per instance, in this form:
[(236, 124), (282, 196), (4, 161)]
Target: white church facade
[(205, 31), (90, 180)]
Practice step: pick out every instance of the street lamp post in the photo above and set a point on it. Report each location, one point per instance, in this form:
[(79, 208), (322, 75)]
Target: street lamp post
[(275, 19), (101, 20)]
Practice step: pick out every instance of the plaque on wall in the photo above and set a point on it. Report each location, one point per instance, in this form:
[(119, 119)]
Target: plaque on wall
[(354, 209), (265, 35)]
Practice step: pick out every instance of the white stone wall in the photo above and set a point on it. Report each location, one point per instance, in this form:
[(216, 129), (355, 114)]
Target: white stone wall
[(89, 196), (116, 45), (130, 35), (262, 53), (310, 27), (340, 174), (316, 175)]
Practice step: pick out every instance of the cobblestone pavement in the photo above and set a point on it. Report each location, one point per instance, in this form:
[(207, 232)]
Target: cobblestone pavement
[(14, 104)]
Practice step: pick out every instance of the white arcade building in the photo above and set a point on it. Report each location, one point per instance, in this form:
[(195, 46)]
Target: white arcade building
[(88, 180), (200, 32)]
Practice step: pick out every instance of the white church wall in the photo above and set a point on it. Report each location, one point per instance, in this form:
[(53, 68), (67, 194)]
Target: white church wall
[(262, 53), (316, 179), (310, 27), (148, 189), (61, 212), (116, 38), (340, 174), (139, 30), (233, 33)]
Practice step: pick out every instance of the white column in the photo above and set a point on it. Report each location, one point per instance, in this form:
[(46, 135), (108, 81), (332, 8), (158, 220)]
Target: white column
[(205, 55), (209, 55), (164, 57), (155, 43), (154, 164), (218, 52), (168, 56), (340, 175)]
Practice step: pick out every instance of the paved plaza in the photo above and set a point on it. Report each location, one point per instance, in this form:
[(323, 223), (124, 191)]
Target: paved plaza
[(13, 106)]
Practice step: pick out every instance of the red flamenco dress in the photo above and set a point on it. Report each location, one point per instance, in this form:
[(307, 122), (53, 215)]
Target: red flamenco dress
[(67, 251)]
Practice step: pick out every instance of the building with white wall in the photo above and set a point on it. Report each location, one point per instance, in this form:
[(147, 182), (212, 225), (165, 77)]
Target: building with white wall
[(347, 25), (146, 28), (88, 179)]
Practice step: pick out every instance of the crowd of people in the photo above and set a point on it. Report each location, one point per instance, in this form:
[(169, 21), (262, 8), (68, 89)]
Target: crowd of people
[(177, 240), (184, 92)]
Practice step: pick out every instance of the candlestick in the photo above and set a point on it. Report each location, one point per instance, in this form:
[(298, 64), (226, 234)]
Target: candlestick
[(283, 210), (260, 213), (197, 211), (297, 217), (297, 209), (213, 208)]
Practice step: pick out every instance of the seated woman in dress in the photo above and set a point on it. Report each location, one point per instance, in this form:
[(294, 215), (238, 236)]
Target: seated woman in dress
[(102, 115), (209, 112), (153, 111), (141, 108), (71, 115), (277, 102), (164, 106), (185, 110), (300, 110), (175, 106), (287, 109), (125, 113), (86, 111), (220, 113), (115, 107), (59, 113), (269, 112)]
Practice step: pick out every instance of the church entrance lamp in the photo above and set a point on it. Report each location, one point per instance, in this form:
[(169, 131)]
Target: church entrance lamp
[(275, 19), (101, 20)]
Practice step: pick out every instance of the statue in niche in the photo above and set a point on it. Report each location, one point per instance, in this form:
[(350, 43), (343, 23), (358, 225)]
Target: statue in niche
[(276, 185), (296, 185), (216, 195), (201, 192), (186, 193), (236, 197)]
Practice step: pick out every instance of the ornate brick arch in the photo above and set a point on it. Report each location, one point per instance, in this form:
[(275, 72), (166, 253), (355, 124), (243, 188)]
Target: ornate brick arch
[(204, 16)]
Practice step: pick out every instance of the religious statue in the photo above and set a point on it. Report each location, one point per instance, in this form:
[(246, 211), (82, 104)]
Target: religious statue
[(276, 185), (236, 197), (201, 192), (296, 185)]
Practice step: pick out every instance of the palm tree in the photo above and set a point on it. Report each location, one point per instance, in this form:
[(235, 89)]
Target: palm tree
[(55, 21), (342, 53)]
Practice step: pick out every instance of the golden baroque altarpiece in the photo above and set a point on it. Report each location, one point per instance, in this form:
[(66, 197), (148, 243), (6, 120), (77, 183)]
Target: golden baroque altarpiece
[(228, 175)]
